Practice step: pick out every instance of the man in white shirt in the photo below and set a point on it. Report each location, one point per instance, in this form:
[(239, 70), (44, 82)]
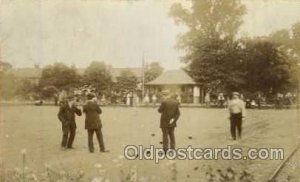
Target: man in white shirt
[(237, 113)]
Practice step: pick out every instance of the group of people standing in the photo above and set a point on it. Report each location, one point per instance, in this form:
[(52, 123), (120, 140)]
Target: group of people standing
[(282, 100), (221, 101), (169, 110), (67, 111)]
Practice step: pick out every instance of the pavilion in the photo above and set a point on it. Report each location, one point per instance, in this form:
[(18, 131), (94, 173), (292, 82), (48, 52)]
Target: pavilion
[(179, 82)]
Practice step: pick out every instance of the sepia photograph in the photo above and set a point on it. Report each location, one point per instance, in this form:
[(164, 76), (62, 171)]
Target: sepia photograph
[(149, 90)]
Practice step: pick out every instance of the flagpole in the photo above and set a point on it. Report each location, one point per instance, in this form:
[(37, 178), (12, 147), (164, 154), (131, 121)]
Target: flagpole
[(143, 77)]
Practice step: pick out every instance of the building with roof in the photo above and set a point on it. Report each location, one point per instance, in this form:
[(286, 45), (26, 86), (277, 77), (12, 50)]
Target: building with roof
[(32, 74), (179, 82)]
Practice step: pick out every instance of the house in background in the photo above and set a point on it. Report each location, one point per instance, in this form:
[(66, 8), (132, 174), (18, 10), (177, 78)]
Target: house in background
[(179, 82), (31, 74), (34, 74), (176, 81)]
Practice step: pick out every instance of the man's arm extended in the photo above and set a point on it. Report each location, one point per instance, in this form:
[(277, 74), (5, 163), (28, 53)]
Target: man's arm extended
[(77, 111)]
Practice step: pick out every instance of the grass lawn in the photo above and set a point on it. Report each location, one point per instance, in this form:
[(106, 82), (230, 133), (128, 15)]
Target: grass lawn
[(37, 129)]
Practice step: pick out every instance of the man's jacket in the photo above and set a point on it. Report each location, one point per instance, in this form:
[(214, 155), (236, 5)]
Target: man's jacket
[(67, 113), (92, 118), (169, 110)]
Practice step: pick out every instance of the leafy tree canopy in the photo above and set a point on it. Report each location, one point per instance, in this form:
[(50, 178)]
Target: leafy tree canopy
[(209, 42), (60, 76), (98, 75), (153, 70), (218, 59), (127, 81), (268, 66)]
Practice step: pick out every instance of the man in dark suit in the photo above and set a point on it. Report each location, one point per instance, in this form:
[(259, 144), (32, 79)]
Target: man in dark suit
[(93, 123), (66, 115), (170, 113)]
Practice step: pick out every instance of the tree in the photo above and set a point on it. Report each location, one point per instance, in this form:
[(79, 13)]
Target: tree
[(127, 81), (8, 81), (12, 86), (26, 89), (288, 42), (287, 39), (60, 76), (98, 75), (281, 37), (268, 66), (296, 38), (210, 19), (220, 62), (210, 43), (153, 70)]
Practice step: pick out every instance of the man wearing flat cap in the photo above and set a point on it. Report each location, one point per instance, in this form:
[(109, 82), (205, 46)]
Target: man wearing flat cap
[(66, 115), (93, 123), (237, 114), (170, 113)]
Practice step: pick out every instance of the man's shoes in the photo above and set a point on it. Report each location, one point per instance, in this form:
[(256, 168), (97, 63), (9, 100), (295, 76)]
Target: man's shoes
[(70, 147), (91, 151), (63, 148)]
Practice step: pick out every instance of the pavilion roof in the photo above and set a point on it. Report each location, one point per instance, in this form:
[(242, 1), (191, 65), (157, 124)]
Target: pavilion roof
[(173, 77)]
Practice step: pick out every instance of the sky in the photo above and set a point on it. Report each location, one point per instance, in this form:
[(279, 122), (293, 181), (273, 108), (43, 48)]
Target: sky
[(118, 32)]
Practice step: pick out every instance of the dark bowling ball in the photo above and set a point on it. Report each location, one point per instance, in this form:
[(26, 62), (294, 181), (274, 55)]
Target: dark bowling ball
[(190, 138), (153, 134)]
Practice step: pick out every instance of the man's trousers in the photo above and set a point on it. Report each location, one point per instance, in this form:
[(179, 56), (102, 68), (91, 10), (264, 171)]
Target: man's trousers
[(68, 135), (236, 125), (168, 133), (99, 138)]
